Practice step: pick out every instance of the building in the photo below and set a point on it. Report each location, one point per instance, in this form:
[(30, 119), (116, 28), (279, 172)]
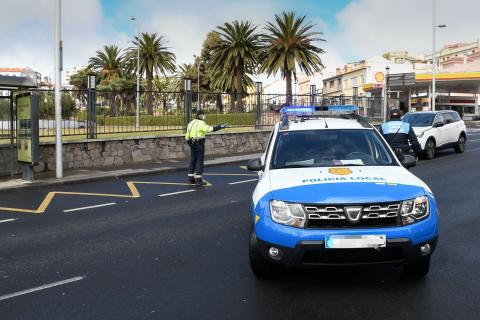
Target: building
[(402, 56), (358, 78), (455, 50), (36, 77)]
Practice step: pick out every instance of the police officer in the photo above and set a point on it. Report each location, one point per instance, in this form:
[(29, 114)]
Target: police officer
[(195, 136), (400, 135)]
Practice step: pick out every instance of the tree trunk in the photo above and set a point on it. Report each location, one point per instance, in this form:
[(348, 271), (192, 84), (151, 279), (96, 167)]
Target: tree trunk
[(148, 101), (232, 101), (288, 80), (219, 103), (239, 89)]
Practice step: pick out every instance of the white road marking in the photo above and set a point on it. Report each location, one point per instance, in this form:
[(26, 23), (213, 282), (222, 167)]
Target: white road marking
[(243, 181), (173, 193), (473, 140), (43, 287), (8, 220), (470, 150), (90, 207)]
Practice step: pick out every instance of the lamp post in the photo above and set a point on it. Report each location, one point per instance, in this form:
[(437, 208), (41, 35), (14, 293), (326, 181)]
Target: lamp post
[(137, 107), (386, 89), (198, 80), (58, 97), (434, 61)]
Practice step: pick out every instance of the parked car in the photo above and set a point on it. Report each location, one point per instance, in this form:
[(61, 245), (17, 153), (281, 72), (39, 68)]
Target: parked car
[(437, 130)]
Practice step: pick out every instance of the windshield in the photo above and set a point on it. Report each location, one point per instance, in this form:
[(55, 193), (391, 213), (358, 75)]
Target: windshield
[(326, 148), (419, 119)]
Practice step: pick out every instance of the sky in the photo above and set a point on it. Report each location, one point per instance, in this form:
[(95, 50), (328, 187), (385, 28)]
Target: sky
[(353, 29)]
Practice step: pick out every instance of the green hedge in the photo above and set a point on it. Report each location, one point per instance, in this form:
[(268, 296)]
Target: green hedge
[(233, 119)]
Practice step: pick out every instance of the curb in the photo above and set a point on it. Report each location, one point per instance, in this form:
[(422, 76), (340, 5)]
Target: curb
[(114, 175)]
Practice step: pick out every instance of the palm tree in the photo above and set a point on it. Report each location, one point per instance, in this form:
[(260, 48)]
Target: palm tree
[(155, 58), (235, 54), (107, 62), (288, 44)]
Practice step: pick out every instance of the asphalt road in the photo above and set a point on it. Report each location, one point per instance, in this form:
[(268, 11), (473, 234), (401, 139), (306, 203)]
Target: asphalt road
[(185, 255)]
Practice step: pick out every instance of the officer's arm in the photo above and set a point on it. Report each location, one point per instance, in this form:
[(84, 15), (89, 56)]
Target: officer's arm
[(412, 137), (216, 128)]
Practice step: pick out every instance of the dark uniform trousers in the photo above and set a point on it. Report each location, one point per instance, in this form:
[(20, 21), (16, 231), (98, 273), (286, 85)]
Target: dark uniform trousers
[(197, 153)]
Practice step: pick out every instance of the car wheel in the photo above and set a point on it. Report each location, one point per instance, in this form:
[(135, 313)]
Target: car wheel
[(260, 267), (430, 149), (460, 147), (418, 269)]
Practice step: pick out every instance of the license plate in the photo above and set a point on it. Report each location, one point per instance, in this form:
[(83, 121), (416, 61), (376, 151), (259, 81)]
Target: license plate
[(355, 241)]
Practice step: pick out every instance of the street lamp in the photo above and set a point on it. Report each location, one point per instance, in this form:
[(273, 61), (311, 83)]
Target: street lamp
[(434, 61), (198, 79), (386, 96), (137, 110)]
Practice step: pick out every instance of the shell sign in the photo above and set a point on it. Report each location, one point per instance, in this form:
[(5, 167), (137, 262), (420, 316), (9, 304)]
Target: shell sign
[(379, 76), (339, 171)]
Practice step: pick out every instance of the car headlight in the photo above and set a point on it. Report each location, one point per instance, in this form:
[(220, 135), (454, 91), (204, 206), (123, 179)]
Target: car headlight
[(290, 214), (414, 210)]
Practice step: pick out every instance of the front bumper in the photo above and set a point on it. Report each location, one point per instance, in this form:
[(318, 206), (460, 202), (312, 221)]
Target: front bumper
[(313, 253)]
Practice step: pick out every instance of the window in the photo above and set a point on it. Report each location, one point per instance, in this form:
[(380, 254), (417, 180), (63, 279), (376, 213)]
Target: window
[(354, 81), (362, 79), (438, 118), (339, 83), (448, 118), (419, 119), (332, 147), (456, 116), (345, 83), (331, 83)]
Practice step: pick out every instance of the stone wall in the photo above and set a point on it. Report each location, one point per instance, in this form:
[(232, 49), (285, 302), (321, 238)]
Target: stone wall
[(115, 152)]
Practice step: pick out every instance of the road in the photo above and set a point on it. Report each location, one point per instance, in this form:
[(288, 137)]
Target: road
[(162, 250)]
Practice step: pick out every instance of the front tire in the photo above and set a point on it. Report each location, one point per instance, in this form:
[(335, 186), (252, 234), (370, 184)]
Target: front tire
[(460, 147), (430, 149), (418, 269), (260, 267)]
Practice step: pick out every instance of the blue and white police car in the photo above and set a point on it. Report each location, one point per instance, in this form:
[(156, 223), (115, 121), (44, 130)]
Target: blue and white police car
[(332, 193)]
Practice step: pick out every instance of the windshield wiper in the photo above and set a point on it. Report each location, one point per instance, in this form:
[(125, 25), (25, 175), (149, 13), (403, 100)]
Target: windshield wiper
[(295, 166)]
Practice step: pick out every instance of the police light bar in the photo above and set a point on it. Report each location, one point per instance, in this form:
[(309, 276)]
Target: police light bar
[(298, 110)]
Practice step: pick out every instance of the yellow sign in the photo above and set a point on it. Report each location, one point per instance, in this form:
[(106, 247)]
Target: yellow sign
[(379, 76), (339, 171)]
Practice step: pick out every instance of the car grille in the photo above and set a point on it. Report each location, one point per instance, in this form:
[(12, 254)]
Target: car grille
[(373, 215)]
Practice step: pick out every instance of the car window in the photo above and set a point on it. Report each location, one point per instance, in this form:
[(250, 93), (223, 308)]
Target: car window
[(419, 119), (326, 148), (448, 118), (439, 118), (456, 116)]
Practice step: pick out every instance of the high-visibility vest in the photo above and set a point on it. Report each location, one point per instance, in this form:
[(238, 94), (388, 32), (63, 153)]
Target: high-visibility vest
[(197, 129)]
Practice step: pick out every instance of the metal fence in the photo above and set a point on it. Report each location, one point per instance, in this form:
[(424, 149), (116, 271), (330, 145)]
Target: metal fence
[(113, 114)]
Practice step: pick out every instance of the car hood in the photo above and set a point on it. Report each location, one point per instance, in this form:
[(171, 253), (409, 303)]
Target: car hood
[(345, 184), (419, 130)]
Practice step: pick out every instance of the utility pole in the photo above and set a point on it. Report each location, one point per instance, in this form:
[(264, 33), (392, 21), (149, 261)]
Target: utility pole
[(137, 107), (58, 97), (434, 60)]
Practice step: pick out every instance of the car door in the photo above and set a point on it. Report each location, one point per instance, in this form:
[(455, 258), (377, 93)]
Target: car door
[(451, 128), (439, 129)]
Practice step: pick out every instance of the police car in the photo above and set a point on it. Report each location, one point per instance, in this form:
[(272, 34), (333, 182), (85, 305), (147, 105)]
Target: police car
[(332, 193)]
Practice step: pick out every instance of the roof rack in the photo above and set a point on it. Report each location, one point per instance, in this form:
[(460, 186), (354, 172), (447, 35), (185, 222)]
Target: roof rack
[(317, 112)]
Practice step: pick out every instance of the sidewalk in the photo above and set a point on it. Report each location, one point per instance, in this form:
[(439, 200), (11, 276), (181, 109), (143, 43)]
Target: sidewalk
[(86, 175)]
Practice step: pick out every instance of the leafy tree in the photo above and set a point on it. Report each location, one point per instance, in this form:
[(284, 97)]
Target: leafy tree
[(235, 56), (108, 63), (289, 43), (47, 105), (155, 58)]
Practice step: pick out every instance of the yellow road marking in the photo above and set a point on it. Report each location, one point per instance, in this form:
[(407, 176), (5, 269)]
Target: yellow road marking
[(134, 193)]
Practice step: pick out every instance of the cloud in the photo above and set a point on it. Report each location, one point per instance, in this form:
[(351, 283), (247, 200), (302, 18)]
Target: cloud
[(372, 27), (27, 33)]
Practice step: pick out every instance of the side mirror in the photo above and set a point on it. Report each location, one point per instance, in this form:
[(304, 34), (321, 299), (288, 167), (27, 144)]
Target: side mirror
[(255, 164), (408, 161), (438, 124)]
